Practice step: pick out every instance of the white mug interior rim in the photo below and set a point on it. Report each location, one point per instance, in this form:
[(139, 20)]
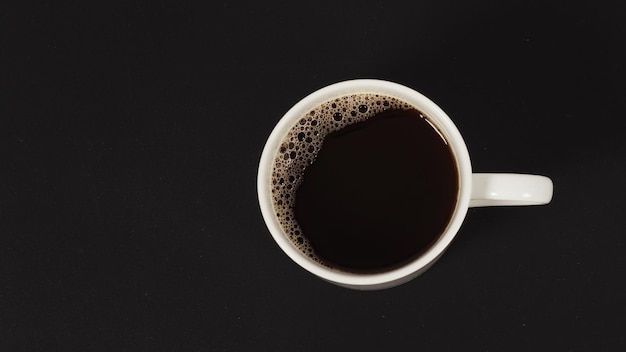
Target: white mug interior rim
[(373, 86)]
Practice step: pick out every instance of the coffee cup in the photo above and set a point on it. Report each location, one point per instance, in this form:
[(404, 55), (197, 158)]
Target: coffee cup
[(365, 183)]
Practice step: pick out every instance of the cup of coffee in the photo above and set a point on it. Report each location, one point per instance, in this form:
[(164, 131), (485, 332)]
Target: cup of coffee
[(365, 183)]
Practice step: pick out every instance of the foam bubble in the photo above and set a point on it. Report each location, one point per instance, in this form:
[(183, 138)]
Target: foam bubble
[(304, 140)]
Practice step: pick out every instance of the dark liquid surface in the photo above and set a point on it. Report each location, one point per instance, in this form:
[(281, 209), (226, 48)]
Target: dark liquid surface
[(379, 193)]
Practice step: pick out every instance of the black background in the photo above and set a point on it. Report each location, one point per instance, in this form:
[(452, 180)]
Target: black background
[(130, 139)]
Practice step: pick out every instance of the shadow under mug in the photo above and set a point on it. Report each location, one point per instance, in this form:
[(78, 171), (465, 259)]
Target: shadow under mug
[(475, 189)]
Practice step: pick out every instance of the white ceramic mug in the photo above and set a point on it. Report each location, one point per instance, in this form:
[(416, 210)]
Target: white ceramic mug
[(475, 190)]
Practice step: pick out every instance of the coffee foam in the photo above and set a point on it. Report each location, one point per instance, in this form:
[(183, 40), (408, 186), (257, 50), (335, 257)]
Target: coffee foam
[(301, 145)]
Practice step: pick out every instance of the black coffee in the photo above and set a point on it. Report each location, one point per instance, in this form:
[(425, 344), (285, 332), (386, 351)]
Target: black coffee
[(364, 183)]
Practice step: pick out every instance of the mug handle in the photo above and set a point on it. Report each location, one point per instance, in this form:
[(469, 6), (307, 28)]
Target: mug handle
[(490, 189)]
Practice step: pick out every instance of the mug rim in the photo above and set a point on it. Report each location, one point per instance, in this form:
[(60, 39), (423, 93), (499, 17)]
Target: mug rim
[(414, 267)]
